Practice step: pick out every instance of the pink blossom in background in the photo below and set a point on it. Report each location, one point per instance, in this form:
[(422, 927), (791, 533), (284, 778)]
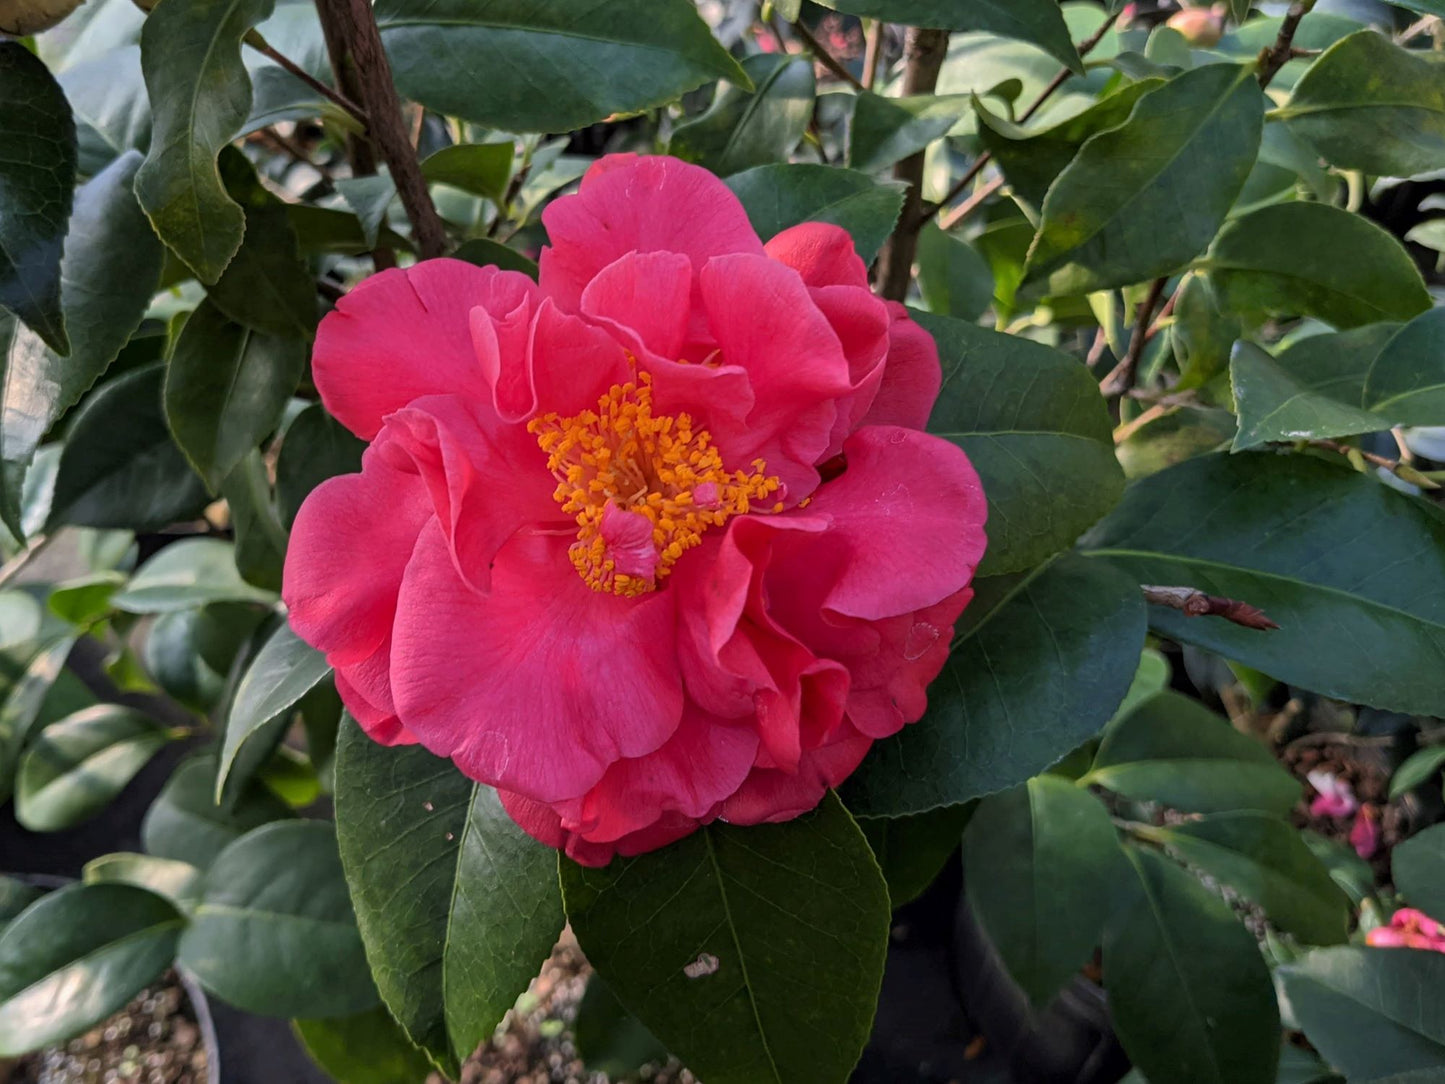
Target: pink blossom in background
[(1408, 928), (1365, 832), (1335, 797), (654, 541)]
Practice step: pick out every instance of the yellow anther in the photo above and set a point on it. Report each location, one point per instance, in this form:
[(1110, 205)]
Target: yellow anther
[(662, 468)]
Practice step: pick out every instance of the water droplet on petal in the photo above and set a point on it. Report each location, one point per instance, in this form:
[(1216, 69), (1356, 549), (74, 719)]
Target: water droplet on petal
[(920, 638)]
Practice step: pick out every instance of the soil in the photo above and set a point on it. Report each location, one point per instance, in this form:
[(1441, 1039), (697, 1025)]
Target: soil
[(534, 1044), (153, 1040)]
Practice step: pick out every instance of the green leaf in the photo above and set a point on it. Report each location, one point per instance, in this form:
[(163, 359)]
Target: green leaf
[(1251, 527), (1143, 199), (1202, 335), (1368, 104), (729, 972), (458, 907), (86, 599), (1313, 388), (179, 882), (609, 1038), (186, 574), (1310, 259), (24, 702), (548, 65), (316, 447), (1406, 383), (1040, 661), (1189, 993), (274, 932), (15, 896), (266, 287), (170, 657), (912, 850), (226, 388), (186, 823), (1041, 864), (120, 467), (1036, 21), (77, 765), (260, 538), (887, 130), (484, 252), (1174, 750), (370, 198), (1037, 431), (1151, 679), (200, 97), (1031, 159), (1265, 860), (107, 95), (37, 175), (954, 278), (778, 196), (284, 670), (1370, 1012), (1418, 866), (483, 169), (111, 264), (77, 956), (1418, 769), (368, 1048), (743, 129)]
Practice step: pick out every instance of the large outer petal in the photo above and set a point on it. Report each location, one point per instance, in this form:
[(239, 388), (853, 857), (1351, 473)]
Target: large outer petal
[(639, 204), (912, 376), (539, 686), (406, 333)]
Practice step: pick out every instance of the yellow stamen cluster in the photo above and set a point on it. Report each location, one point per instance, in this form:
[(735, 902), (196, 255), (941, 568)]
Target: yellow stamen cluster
[(652, 465)]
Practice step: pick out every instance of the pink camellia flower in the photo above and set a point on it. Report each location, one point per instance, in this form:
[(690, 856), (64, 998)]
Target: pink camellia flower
[(1365, 832), (1408, 928), (656, 541), (1334, 798)]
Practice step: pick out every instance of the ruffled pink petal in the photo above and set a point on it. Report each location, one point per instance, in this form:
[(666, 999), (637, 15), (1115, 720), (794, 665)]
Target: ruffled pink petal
[(646, 297), (349, 547), (539, 686), (365, 689), (403, 334), (912, 375), (486, 479), (639, 204), (543, 824), (770, 796), (822, 253)]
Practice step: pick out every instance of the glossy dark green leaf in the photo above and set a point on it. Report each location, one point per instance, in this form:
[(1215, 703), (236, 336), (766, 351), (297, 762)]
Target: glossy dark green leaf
[(886, 130), (548, 65), (171, 658), (200, 97), (1265, 860), (107, 94), (745, 128), (111, 264), (1174, 750), (78, 764), (954, 278), (1037, 431), (1310, 259), (1313, 388), (1189, 993), (458, 907), (179, 882), (609, 1038), (274, 932), (120, 467), (1406, 383), (1253, 527), (368, 1048), (226, 388), (1040, 662), (85, 599), (912, 850), (1036, 21), (260, 537), (482, 169), (23, 703), (185, 823), (1370, 1012), (283, 671), (778, 196), (733, 975), (1368, 104), (77, 956), (316, 447), (15, 896), (37, 175), (1418, 866), (1418, 769), (1040, 865), (1142, 199), (187, 574), (370, 198), (1031, 159)]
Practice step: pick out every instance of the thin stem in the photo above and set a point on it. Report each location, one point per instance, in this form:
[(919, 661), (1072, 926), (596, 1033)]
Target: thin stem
[(1415, 29), (262, 46), (1276, 56), (968, 206), (873, 54), (823, 57), (1194, 603), (1121, 378)]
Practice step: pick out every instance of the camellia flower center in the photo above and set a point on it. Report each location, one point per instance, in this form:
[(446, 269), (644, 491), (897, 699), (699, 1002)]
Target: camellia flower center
[(643, 487)]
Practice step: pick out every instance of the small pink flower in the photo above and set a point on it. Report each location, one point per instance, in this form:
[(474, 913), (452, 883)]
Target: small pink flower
[(1408, 928), (1335, 797), (1365, 832), (654, 541)]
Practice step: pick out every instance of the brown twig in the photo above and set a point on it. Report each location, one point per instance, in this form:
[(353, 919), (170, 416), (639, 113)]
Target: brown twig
[(1276, 56), (356, 27), (1121, 378), (1398, 467), (340, 100), (872, 53), (1085, 47), (968, 206), (823, 57), (924, 53), (1194, 603)]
